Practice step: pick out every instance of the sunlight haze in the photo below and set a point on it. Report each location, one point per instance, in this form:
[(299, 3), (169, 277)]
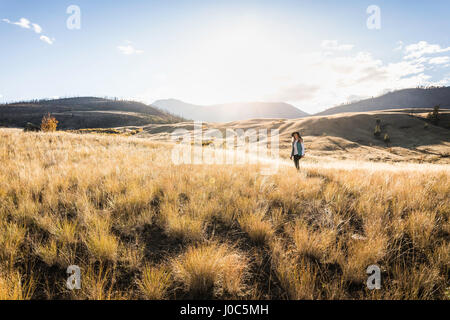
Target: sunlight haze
[(311, 55)]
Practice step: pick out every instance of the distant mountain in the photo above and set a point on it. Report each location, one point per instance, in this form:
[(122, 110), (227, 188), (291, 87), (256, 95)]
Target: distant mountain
[(230, 111), (401, 99), (84, 112)]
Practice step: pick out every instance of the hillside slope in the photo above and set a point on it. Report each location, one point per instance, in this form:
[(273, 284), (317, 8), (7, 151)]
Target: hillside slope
[(231, 111), (84, 112), (401, 99), (347, 135)]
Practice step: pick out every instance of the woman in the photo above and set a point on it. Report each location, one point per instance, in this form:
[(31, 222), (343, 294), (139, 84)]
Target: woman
[(298, 149)]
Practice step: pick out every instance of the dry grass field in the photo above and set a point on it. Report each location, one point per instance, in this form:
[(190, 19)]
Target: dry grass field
[(140, 227)]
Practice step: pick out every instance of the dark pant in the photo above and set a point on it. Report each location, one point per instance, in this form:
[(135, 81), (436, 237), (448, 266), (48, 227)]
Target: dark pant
[(296, 160)]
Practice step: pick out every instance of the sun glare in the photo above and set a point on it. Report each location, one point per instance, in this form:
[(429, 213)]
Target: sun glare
[(241, 63)]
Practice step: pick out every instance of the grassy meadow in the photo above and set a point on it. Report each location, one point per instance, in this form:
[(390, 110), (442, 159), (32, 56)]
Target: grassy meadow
[(140, 227)]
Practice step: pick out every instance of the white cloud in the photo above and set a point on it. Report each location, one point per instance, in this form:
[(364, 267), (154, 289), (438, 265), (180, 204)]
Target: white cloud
[(399, 46), (421, 48), (47, 39), (26, 24), (129, 50), (335, 46), (326, 80), (37, 28), (439, 60), (23, 23)]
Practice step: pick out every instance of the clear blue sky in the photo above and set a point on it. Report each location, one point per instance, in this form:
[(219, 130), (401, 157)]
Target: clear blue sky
[(313, 54)]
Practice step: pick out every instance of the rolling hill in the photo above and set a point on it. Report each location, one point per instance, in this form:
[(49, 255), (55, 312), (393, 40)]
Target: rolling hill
[(231, 111), (400, 99), (346, 136), (84, 112)]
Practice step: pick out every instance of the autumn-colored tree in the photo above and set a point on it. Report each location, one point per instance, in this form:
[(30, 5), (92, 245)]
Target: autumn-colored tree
[(49, 123)]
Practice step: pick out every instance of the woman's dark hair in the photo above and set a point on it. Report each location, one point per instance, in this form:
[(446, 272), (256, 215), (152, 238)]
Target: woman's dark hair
[(296, 133)]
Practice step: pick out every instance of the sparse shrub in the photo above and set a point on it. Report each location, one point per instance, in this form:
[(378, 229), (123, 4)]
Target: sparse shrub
[(30, 127), (181, 226), (14, 287), (155, 282), (258, 229), (377, 131), (208, 269), (434, 116), (11, 238), (49, 123), (420, 225), (311, 243), (48, 252), (106, 131), (97, 284), (64, 230), (362, 253), (138, 130), (102, 245), (133, 256), (207, 142), (299, 278)]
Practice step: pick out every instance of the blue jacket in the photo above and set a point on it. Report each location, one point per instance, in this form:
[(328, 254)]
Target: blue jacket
[(299, 148)]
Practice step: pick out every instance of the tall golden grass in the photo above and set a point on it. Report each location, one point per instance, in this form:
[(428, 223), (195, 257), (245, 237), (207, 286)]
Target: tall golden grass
[(140, 227)]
